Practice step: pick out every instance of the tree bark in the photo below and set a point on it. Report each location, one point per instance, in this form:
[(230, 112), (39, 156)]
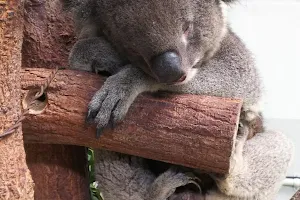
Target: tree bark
[(181, 129), (48, 39), (15, 178), (59, 171), (48, 34)]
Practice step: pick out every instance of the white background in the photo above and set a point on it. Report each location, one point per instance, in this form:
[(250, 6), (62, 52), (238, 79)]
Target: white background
[(271, 29)]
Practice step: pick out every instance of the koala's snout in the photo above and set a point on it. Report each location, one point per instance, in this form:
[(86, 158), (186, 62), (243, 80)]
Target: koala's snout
[(167, 68)]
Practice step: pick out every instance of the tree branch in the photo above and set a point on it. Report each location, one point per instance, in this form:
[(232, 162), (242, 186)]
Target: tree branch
[(189, 130)]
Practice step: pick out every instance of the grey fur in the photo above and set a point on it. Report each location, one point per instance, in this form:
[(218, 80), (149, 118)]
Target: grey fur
[(95, 54), (141, 29), (127, 177)]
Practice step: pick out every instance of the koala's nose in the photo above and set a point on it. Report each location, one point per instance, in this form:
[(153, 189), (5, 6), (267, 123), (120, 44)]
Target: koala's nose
[(167, 67)]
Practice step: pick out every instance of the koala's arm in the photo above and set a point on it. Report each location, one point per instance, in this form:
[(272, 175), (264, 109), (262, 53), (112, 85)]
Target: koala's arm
[(121, 176), (91, 52)]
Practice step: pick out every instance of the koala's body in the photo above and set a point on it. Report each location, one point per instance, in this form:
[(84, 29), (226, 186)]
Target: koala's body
[(182, 46)]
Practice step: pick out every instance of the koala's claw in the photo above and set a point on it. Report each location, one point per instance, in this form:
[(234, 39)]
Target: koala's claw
[(99, 132), (90, 116), (111, 124), (89, 119)]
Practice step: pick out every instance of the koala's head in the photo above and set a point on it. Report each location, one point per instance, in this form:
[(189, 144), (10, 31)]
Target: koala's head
[(168, 39)]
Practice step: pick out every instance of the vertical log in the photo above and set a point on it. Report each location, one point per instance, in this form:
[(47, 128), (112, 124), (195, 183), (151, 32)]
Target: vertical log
[(48, 34), (15, 178), (59, 171)]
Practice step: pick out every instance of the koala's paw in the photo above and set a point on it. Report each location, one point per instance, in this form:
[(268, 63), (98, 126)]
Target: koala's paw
[(110, 104), (166, 184), (177, 179)]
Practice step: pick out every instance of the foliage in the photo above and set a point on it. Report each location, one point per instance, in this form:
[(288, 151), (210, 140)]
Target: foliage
[(95, 193)]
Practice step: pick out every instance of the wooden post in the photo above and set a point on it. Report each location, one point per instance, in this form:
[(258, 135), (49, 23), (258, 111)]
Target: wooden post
[(59, 171), (48, 34), (179, 129), (15, 178)]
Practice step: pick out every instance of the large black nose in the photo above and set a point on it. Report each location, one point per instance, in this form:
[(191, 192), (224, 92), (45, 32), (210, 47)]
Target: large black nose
[(167, 67)]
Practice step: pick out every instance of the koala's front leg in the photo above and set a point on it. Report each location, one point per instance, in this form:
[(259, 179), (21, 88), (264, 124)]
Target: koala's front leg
[(111, 103), (95, 54)]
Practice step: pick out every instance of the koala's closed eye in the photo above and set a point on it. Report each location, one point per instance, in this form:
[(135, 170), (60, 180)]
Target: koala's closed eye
[(187, 28)]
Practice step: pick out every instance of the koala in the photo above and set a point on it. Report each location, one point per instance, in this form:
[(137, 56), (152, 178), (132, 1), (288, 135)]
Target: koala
[(191, 52), (182, 46)]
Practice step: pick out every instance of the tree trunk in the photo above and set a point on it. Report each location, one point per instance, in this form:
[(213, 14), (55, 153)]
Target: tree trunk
[(59, 171), (48, 38), (15, 178), (48, 34), (178, 129)]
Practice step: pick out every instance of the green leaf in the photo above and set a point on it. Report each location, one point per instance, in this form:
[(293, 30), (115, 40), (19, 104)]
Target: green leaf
[(95, 193)]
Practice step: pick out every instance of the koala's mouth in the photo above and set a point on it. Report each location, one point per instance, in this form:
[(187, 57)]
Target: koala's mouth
[(188, 77), (182, 79)]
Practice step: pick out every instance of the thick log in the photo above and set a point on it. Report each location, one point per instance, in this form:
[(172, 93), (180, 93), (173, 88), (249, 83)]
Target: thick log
[(15, 178), (189, 130), (59, 171)]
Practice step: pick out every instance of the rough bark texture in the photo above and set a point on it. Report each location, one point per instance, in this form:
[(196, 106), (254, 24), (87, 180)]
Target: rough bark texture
[(48, 34), (15, 178), (59, 170), (179, 129)]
